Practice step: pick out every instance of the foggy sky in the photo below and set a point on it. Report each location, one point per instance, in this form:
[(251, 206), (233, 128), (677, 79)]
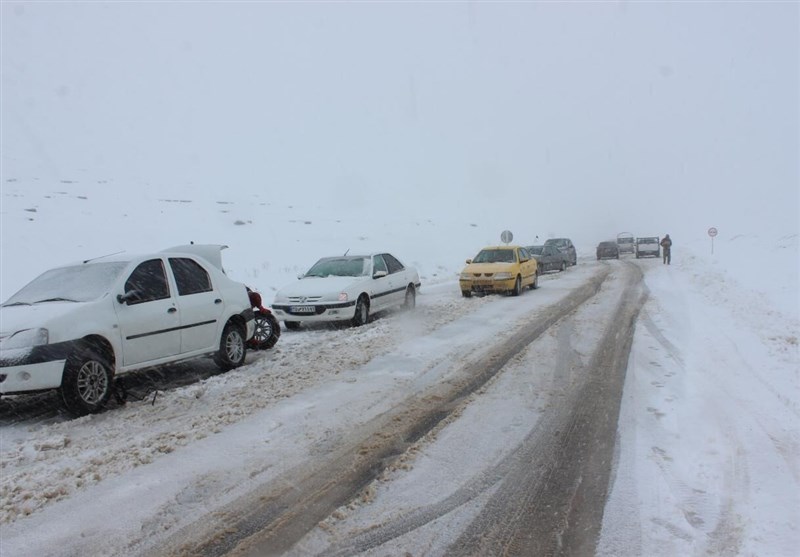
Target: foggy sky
[(588, 118)]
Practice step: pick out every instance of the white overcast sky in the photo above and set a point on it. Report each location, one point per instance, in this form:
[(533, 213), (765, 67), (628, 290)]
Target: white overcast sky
[(651, 117)]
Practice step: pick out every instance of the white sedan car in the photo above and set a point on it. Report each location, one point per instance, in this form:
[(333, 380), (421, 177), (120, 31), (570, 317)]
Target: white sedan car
[(75, 328), (347, 288)]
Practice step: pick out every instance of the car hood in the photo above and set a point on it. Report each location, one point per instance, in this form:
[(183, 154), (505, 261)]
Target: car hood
[(489, 268), (17, 318), (317, 286)]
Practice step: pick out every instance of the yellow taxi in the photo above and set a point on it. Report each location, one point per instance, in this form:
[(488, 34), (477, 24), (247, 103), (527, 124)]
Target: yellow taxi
[(506, 269)]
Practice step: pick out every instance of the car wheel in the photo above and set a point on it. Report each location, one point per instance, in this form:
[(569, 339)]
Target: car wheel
[(563, 266), (232, 347), (466, 293), (535, 283), (87, 382), (411, 298), (292, 325), (362, 311), (517, 287), (267, 332)]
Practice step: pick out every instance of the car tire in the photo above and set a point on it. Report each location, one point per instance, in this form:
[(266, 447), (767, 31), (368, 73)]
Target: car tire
[(87, 382), (410, 301), (292, 325), (267, 331), (466, 293), (362, 311), (232, 347), (563, 266), (517, 286), (535, 283)]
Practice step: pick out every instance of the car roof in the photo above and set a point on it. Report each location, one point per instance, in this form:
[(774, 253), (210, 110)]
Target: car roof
[(209, 252), (501, 247)]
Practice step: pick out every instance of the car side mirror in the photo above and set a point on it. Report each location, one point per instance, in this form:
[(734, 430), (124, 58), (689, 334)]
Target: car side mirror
[(301, 275), (129, 296), (379, 274), (469, 261)]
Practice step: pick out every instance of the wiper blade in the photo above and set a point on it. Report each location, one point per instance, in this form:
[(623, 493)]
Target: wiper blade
[(55, 300), (17, 304)]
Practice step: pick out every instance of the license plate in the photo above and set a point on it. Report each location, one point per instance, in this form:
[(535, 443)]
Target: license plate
[(303, 309)]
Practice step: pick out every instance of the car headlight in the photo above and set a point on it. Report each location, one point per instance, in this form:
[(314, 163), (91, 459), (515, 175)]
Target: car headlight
[(342, 296), (502, 276), (465, 276), (26, 338)]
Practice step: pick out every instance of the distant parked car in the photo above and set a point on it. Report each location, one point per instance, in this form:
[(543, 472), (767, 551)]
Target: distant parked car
[(607, 250), (75, 328), (648, 247), (549, 258), (626, 242), (347, 288), (506, 269), (566, 246)]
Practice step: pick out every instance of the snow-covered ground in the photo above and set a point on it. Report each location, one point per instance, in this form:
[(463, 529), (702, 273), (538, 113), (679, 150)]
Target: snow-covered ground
[(709, 444), (293, 131)]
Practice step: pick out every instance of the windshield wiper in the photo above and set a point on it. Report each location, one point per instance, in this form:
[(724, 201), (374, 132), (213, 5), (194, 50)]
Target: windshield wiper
[(17, 304), (55, 300)]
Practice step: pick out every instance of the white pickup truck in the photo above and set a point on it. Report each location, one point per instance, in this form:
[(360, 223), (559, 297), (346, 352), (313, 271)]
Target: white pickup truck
[(648, 246)]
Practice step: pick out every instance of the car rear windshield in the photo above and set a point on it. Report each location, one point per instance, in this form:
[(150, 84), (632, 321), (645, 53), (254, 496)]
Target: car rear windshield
[(495, 256), (340, 267), (536, 250), (80, 283)]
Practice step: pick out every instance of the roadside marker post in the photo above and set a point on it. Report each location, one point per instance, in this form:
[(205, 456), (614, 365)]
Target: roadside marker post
[(712, 232)]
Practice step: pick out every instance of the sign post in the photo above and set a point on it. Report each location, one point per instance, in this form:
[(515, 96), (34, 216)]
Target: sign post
[(712, 232)]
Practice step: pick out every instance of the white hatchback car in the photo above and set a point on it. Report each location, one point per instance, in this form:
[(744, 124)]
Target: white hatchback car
[(75, 328), (347, 288)]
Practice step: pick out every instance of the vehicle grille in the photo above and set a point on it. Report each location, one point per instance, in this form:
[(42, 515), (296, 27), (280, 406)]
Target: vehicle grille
[(304, 299)]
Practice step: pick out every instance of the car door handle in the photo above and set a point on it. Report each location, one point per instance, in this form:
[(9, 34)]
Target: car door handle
[(172, 310), (218, 301)]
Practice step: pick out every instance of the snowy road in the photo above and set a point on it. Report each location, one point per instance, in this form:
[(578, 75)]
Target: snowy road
[(493, 425)]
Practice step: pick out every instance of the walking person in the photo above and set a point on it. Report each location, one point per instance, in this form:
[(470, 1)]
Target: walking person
[(666, 244)]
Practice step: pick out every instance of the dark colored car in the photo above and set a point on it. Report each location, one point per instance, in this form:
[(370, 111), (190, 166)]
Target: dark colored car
[(566, 247), (549, 258), (607, 250)]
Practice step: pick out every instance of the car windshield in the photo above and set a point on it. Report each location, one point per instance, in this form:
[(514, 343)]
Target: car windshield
[(340, 267), (495, 256), (536, 250), (647, 241), (80, 283), (560, 242)]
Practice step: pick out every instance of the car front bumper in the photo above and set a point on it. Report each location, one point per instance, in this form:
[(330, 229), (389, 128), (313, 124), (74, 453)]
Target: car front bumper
[(490, 285), (31, 377), (343, 311)]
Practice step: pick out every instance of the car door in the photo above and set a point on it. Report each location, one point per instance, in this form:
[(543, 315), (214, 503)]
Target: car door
[(382, 287), (554, 258), (527, 266), (200, 305), (148, 317), (399, 279)]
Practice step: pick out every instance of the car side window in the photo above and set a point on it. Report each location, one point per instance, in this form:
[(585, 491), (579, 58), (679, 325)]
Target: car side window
[(190, 276), (149, 281), (379, 264), (523, 254), (394, 265)]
